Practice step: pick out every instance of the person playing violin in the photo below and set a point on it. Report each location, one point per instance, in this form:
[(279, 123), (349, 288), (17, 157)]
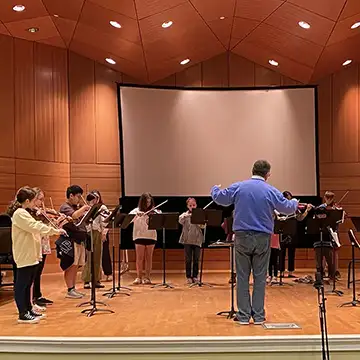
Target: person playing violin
[(144, 238)]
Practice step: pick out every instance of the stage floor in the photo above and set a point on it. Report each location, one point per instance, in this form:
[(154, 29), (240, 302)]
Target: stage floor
[(179, 312)]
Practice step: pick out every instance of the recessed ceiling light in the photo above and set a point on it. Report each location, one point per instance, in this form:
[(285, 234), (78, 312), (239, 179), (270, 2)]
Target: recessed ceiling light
[(110, 61), (115, 24), (19, 8), (273, 63), (347, 62), (167, 24), (222, 17), (185, 61), (304, 25), (356, 25), (33, 29), (55, 15)]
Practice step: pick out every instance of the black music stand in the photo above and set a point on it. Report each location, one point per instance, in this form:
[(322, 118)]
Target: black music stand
[(164, 221), (285, 227), (6, 245), (230, 313), (354, 244), (114, 220), (88, 219), (206, 217)]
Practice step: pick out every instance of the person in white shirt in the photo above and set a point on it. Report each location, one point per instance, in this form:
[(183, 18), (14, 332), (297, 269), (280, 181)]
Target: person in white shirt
[(144, 238), (26, 235)]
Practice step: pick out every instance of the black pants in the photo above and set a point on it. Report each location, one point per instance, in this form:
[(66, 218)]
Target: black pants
[(37, 279), (328, 254), (106, 258), (274, 260), (24, 279), (192, 256), (291, 258)]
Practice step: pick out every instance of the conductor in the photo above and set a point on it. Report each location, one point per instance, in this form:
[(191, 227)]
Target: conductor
[(255, 201)]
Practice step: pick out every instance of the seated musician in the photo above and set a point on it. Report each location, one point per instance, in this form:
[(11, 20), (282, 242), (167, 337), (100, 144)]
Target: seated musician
[(72, 254)]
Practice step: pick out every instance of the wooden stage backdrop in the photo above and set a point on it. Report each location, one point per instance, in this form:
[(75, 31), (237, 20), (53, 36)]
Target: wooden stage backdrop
[(59, 125)]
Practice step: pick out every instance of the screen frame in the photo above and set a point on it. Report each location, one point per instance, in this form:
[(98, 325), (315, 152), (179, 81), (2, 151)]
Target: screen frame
[(256, 88)]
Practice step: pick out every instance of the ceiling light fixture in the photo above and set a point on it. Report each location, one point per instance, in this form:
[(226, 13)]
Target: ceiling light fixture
[(110, 61), (115, 24), (273, 63), (33, 29), (304, 25), (56, 15), (222, 17), (167, 24), (185, 61), (356, 25), (347, 62), (19, 8)]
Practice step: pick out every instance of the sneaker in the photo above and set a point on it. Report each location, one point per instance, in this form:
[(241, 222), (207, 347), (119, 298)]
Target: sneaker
[(189, 280), (259, 322), (38, 308), (28, 318), (73, 294), (37, 314), (195, 280), (87, 286), (137, 281), (274, 280), (79, 293), (241, 322), (108, 278), (43, 301), (99, 285), (147, 281), (291, 275), (268, 279)]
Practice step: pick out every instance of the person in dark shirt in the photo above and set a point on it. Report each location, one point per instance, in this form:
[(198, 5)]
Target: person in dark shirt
[(77, 236)]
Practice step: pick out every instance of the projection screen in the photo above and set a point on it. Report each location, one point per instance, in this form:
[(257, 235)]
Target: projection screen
[(178, 142)]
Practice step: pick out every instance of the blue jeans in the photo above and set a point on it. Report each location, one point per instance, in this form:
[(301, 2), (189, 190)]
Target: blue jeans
[(252, 252)]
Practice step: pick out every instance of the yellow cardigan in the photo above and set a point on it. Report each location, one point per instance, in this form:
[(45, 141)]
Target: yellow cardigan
[(26, 238)]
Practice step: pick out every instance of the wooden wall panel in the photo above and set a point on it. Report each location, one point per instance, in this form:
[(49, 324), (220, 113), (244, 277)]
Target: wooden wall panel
[(82, 109), (107, 116), (241, 72), (215, 71), (61, 106), (345, 118), (325, 120), (44, 103), (7, 105), (7, 182), (190, 77), (24, 99), (266, 77)]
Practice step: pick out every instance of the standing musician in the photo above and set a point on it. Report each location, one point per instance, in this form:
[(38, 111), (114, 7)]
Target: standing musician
[(99, 232), (26, 247), (71, 251), (289, 243), (330, 250), (144, 238)]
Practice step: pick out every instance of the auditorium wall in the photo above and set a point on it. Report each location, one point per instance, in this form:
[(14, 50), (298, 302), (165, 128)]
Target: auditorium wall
[(59, 125)]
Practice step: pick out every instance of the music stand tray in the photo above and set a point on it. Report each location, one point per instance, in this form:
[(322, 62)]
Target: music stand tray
[(164, 221), (286, 227), (206, 217)]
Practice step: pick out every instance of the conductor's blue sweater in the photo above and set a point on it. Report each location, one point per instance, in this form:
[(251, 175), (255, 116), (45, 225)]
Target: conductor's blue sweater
[(255, 201)]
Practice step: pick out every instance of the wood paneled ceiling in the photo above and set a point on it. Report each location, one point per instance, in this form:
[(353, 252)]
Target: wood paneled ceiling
[(259, 30)]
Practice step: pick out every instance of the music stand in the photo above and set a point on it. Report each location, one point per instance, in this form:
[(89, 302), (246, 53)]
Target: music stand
[(206, 217), (88, 219), (285, 227), (164, 221), (354, 243), (115, 219), (230, 245), (6, 245)]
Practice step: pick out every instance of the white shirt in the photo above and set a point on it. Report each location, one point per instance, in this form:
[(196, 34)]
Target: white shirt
[(141, 226)]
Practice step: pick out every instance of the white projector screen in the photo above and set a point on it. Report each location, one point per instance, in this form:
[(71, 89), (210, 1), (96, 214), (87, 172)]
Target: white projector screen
[(182, 142)]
